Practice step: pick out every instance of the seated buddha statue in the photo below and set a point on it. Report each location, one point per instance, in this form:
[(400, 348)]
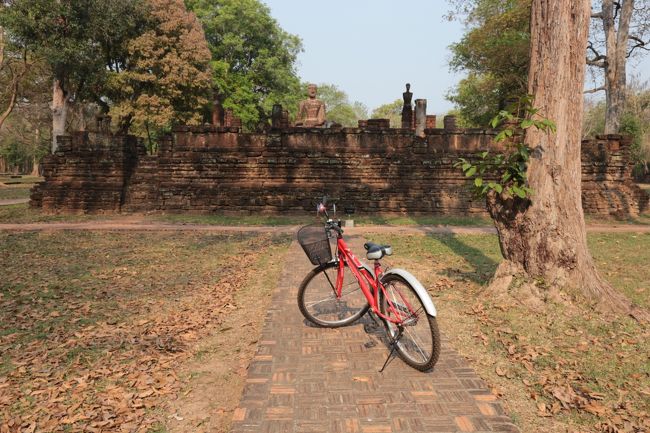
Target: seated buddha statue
[(311, 112)]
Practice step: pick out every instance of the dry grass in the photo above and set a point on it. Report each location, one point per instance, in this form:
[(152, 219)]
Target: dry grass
[(565, 368)]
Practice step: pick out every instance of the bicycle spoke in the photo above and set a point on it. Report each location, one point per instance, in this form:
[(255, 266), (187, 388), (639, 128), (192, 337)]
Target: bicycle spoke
[(321, 302), (311, 304), (413, 339), (413, 333)]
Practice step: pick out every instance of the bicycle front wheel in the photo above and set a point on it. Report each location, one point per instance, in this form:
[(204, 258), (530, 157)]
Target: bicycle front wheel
[(417, 335), (319, 303)]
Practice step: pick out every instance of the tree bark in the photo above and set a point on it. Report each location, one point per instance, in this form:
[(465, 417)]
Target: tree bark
[(35, 167), (59, 111), (16, 76), (544, 239), (616, 43)]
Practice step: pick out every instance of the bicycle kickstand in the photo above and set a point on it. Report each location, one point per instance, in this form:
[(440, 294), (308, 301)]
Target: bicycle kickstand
[(393, 348)]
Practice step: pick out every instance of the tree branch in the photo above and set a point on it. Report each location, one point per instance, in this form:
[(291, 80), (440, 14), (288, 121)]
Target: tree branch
[(597, 89), (597, 15), (616, 9), (12, 101), (596, 63), (640, 43), (597, 55)]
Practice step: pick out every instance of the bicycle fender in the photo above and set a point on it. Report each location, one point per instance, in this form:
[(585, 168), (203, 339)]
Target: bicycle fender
[(419, 289)]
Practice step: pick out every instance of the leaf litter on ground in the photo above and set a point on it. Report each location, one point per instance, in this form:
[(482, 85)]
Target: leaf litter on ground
[(93, 327)]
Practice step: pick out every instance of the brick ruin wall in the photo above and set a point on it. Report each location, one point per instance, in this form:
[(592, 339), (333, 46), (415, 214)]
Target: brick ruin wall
[(211, 169)]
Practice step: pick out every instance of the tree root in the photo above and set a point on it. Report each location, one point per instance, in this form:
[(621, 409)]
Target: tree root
[(512, 283)]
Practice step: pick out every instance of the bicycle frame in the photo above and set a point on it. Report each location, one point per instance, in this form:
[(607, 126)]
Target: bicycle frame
[(370, 286)]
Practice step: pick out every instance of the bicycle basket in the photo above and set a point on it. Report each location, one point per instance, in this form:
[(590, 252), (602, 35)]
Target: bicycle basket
[(313, 240)]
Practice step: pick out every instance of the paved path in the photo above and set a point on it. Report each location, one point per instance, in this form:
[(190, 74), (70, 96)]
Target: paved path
[(138, 224), (10, 201), (306, 379)]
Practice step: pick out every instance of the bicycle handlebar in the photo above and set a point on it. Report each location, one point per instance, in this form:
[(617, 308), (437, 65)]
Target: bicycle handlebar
[(334, 225)]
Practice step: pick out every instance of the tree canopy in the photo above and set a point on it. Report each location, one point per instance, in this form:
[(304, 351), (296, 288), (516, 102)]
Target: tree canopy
[(494, 52), (253, 58), (167, 79), (338, 106), (80, 41)]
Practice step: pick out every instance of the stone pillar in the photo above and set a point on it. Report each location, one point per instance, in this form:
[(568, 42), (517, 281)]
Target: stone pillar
[(276, 117), (284, 124), (230, 120), (227, 117), (420, 116), (450, 123)]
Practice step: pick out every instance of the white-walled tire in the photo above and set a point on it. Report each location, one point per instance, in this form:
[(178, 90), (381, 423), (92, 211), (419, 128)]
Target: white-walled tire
[(419, 345)]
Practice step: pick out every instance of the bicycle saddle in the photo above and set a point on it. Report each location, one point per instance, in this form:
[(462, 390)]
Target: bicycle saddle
[(376, 252)]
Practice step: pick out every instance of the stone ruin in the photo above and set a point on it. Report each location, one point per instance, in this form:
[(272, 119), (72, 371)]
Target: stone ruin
[(371, 168)]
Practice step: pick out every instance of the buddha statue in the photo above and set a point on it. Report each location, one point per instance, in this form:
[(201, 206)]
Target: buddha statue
[(311, 112)]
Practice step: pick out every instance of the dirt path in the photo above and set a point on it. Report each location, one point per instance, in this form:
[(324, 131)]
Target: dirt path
[(139, 224), (10, 201)]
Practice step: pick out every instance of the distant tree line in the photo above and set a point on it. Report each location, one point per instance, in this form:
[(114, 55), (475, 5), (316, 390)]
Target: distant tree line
[(149, 64)]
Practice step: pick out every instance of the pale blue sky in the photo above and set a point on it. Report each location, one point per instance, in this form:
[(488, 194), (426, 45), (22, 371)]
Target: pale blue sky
[(371, 48)]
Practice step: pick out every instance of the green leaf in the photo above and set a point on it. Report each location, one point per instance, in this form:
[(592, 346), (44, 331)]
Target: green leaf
[(527, 124), (519, 191), (498, 188), (471, 171), (478, 181)]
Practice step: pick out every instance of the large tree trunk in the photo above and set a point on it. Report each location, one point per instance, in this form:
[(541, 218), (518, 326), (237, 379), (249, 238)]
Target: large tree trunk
[(59, 111), (544, 239)]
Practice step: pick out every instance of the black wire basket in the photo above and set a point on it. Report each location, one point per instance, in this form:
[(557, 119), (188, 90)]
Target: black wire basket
[(314, 241)]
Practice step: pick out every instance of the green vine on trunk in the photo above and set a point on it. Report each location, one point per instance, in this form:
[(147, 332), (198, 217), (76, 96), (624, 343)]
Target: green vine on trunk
[(505, 173)]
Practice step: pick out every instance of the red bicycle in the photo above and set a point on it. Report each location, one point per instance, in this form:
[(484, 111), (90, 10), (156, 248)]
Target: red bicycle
[(341, 289)]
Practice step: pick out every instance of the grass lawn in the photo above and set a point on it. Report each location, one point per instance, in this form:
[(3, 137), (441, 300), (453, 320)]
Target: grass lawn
[(362, 220), (8, 193), (16, 187), (566, 368), (22, 214), (96, 328)]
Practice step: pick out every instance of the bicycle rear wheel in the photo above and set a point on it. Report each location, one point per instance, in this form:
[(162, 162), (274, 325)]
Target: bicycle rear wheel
[(319, 304), (418, 344)]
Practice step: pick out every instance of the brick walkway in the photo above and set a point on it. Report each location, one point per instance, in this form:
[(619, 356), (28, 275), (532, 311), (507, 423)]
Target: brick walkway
[(306, 379)]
